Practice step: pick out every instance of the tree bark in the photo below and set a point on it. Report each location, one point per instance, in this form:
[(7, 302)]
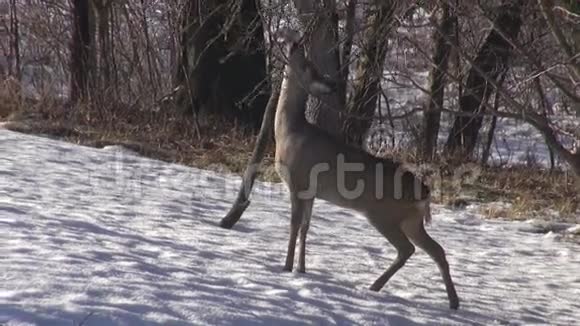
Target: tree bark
[(445, 29), (103, 17), (491, 132), (245, 73), (492, 59), (369, 72), (320, 22), (222, 66), (14, 51), (546, 110), (349, 31), (81, 48), (151, 67)]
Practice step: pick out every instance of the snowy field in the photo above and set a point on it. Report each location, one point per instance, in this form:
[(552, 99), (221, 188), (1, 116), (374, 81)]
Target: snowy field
[(102, 237)]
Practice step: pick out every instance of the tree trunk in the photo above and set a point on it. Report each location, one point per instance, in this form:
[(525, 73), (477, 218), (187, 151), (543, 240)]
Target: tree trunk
[(103, 17), (245, 72), (369, 72), (489, 141), (491, 132), (492, 59), (445, 29), (14, 48), (349, 31), (197, 66), (151, 67), (81, 48), (222, 68), (322, 37)]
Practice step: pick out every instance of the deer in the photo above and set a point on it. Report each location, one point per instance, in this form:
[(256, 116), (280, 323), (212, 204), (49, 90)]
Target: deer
[(313, 165)]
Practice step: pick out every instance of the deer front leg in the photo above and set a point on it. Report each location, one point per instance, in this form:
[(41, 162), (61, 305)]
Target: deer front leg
[(297, 209), (305, 225)]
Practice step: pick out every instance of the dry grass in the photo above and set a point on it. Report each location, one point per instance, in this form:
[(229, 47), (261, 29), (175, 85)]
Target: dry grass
[(10, 99), (164, 135), (531, 191), (225, 147), (527, 192)]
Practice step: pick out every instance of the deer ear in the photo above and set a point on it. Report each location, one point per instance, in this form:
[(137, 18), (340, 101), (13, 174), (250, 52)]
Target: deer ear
[(317, 87)]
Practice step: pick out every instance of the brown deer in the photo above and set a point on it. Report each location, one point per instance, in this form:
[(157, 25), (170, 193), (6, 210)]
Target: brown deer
[(315, 165)]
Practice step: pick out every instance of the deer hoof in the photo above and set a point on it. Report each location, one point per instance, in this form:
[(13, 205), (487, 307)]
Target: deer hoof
[(454, 304), (375, 288)]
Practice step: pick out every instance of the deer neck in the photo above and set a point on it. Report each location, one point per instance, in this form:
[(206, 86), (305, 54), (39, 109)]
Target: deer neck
[(290, 112)]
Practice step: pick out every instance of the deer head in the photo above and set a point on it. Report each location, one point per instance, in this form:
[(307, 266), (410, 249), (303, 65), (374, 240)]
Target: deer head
[(303, 69)]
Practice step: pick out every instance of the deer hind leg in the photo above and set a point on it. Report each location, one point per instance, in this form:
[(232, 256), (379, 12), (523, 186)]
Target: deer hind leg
[(304, 226), (405, 250), (415, 230), (298, 208)]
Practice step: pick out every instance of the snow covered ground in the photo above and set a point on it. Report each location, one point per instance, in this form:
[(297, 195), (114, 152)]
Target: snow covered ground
[(101, 237)]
